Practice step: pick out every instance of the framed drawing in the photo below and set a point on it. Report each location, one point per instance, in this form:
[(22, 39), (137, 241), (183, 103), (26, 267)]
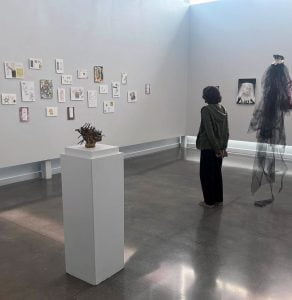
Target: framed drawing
[(77, 93), (116, 89), (246, 91), (59, 64), (52, 111), (27, 91), (46, 87), (70, 113), (147, 89), (13, 70), (35, 63), (98, 74), (61, 95), (82, 74), (132, 96), (124, 78), (103, 89), (8, 99), (66, 79), (108, 107), (23, 114)]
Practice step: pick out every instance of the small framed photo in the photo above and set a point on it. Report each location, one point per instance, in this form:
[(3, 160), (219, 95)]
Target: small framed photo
[(66, 79), (61, 95), (124, 78), (147, 89), (108, 107), (35, 63), (132, 96), (52, 111), (71, 113), (59, 63), (23, 114), (98, 74), (82, 74), (246, 91), (103, 89), (77, 93)]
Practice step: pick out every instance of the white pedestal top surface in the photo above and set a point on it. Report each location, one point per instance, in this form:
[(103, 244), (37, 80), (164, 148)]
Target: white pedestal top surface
[(91, 153)]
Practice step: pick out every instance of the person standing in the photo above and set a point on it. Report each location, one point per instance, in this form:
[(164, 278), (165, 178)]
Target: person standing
[(212, 141)]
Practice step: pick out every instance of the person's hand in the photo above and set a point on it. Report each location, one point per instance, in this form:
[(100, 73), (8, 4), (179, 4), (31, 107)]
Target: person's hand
[(221, 153)]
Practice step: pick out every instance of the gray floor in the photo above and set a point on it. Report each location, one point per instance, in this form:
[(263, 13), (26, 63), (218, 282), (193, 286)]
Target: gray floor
[(174, 249)]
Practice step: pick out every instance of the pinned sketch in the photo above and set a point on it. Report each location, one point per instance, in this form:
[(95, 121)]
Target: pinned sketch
[(92, 98), (132, 96), (23, 114), (108, 107), (13, 70), (46, 87), (51, 111), (35, 63), (103, 89), (70, 113), (147, 89), (66, 79), (98, 74), (61, 95), (59, 64), (82, 74), (27, 91), (77, 93), (116, 89), (8, 99), (124, 78), (246, 91)]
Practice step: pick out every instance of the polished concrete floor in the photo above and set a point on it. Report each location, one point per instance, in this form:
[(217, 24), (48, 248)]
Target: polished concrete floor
[(174, 249)]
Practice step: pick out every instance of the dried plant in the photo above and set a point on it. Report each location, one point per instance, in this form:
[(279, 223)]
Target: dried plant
[(89, 135)]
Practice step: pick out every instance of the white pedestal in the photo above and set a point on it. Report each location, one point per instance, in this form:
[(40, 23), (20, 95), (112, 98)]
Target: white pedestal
[(93, 209)]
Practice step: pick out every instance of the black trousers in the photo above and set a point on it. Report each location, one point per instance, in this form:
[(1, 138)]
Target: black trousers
[(211, 177)]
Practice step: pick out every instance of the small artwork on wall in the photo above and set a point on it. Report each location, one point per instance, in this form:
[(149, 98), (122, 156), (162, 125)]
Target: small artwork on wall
[(124, 78), (77, 93), (147, 89), (103, 89), (92, 98), (116, 89), (108, 107), (132, 96), (82, 74), (46, 87), (59, 64), (27, 91), (66, 79), (70, 113), (13, 70), (8, 99), (35, 63), (61, 95), (52, 111), (98, 74), (23, 114), (246, 91)]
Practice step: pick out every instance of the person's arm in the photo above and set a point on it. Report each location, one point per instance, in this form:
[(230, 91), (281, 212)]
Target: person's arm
[(206, 120)]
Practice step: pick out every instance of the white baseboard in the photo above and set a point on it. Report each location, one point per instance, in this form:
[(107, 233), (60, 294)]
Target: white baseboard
[(21, 177)]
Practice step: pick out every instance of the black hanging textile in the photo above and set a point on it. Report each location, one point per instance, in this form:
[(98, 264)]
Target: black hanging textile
[(268, 122)]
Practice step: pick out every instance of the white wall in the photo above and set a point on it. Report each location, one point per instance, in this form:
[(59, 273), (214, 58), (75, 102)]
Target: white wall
[(145, 38), (233, 39)]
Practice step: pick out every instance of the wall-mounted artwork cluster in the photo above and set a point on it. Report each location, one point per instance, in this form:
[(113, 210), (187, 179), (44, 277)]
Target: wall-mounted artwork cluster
[(47, 91)]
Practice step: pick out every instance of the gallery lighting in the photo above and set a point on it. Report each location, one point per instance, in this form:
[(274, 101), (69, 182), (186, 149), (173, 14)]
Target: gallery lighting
[(193, 2)]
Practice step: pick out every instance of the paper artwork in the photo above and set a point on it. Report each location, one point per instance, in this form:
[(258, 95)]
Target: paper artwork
[(103, 89), (35, 63), (52, 111), (13, 70), (23, 114), (147, 89), (124, 78), (70, 113), (59, 64), (66, 79), (109, 106), (92, 98), (61, 95), (46, 87), (132, 96), (98, 74), (77, 93), (82, 74), (8, 99), (27, 91), (116, 89), (246, 91)]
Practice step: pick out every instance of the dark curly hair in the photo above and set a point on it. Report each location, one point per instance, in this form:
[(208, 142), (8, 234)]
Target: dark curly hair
[(211, 95)]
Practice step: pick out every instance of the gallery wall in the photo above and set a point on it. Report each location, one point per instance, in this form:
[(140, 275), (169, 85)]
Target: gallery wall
[(145, 38), (233, 39)]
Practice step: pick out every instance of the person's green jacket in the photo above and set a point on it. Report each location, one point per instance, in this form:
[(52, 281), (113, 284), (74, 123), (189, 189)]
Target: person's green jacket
[(214, 131)]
